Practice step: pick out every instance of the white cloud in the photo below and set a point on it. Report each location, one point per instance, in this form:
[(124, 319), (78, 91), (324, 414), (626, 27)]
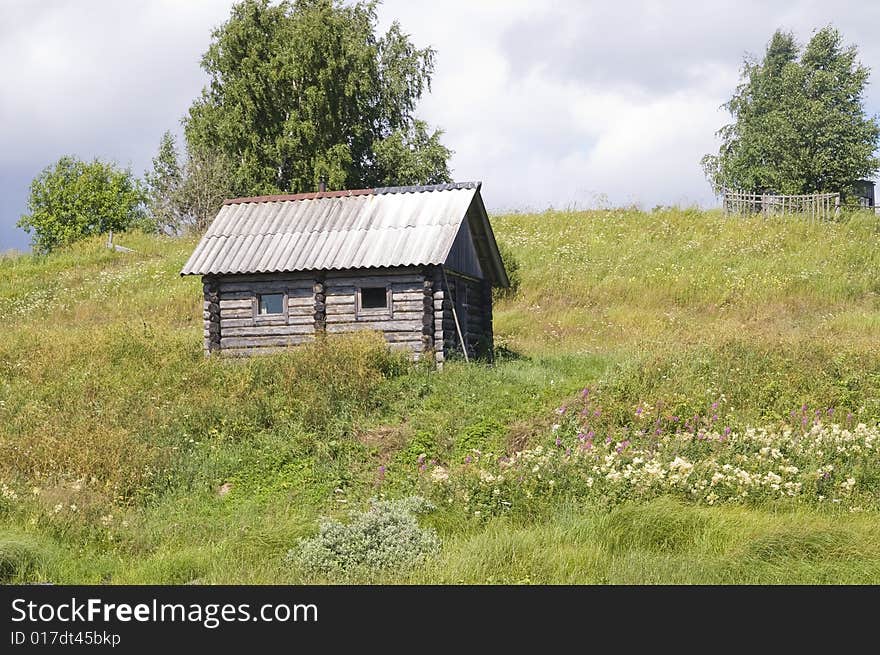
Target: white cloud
[(549, 103)]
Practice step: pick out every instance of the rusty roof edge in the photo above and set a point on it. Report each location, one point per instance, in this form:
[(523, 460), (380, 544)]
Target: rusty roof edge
[(318, 195)]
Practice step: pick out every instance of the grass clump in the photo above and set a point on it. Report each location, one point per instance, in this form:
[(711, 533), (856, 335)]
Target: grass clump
[(19, 556), (663, 524)]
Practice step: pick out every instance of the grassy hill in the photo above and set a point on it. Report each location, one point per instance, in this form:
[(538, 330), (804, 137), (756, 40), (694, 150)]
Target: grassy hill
[(126, 456)]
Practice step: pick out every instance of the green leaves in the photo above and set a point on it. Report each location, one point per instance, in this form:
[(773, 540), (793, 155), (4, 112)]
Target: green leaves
[(188, 195), (799, 125), (307, 89), (72, 199)]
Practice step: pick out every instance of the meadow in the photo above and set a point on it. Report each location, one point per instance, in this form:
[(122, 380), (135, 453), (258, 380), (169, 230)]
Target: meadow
[(678, 397)]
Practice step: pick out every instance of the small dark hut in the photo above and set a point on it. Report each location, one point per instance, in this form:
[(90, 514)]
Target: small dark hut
[(415, 263)]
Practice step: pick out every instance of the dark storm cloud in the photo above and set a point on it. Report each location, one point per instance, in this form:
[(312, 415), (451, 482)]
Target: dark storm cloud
[(93, 79)]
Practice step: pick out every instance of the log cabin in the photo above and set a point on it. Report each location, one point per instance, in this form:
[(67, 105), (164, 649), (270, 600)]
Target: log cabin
[(416, 263)]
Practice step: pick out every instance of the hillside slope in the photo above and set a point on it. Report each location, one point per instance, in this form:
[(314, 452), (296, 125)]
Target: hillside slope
[(125, 456)]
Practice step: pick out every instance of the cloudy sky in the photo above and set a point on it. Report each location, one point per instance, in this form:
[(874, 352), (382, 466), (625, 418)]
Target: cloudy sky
[(549, 103)]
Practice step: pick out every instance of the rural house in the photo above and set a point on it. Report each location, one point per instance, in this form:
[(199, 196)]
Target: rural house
[(416, 263)]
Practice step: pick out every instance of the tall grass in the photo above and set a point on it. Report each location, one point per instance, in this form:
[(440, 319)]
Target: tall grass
[(131, 458)]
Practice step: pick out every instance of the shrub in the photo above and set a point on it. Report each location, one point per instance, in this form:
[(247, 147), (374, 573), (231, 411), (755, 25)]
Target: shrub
[(690, 458), (386, 536), (511, 265)]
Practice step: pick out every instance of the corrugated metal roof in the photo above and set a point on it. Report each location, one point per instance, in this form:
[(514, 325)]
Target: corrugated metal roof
[(392, 226)]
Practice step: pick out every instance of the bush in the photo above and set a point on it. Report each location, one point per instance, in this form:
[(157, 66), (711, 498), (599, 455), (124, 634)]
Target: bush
[(511, 265), (386, 536)]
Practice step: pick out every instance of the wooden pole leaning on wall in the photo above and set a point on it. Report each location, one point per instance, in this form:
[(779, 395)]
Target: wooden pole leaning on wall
[(455, 315)]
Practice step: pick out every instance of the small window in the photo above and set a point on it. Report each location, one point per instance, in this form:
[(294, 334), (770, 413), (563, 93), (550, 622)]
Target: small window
[(374, 298), (270, 303)]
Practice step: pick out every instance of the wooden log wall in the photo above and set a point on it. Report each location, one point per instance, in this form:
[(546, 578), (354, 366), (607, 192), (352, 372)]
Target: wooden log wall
[(320, 315), (473, 303), (428, 312), (419, 319), (401, 323), (211, 314), (243, 332)]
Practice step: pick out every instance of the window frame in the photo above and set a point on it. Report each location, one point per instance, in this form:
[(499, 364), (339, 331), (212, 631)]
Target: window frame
[(271, 319), (373, 313)]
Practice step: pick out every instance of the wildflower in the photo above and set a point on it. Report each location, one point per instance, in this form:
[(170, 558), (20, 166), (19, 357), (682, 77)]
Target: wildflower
[(561, 410), (439, 474)]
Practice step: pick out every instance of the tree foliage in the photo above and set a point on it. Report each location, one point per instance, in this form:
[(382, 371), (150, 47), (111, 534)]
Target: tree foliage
[(72, 199), (163, 183), (186, 196), (799, 121), (305, 89)]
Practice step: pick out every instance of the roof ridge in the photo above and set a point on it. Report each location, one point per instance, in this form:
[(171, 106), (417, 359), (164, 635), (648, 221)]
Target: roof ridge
[(319, 195), (218, 235)]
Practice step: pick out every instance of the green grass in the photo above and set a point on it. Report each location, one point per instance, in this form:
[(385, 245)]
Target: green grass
[(116, 433)]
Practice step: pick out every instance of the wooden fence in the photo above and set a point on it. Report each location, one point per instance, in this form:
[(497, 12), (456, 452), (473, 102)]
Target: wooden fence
[(812, 206)]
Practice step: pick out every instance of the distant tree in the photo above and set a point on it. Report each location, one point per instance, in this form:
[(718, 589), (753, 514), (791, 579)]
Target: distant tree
[(163, 186), (188, 195), (72, 199), (799, 123), (207, 182), (305, 90)]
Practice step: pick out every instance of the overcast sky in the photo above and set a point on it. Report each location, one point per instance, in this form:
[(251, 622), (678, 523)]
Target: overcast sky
[(549, 103)]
